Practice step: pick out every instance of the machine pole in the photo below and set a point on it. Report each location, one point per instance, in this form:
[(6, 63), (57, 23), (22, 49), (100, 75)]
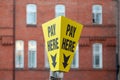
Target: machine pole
[(56, 75)]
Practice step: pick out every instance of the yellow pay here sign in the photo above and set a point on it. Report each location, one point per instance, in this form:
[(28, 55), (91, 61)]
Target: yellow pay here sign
[(61, 38)]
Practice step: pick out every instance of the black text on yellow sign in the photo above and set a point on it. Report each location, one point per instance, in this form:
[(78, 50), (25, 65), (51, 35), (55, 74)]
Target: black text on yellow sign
[(61, 37), (66, 43), (53, 43)]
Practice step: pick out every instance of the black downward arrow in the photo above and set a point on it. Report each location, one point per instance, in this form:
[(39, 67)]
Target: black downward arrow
[(65, 60), (54, 60)]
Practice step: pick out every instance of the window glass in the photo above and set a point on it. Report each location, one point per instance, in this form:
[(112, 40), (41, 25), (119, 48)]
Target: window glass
[(31, 14), (59, 10), (32, 47), (97, 55), (97, 14), (19, 54), (75, 63)]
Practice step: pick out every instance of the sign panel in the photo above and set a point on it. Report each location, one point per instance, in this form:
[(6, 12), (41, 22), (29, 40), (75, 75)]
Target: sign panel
[(61, 38)]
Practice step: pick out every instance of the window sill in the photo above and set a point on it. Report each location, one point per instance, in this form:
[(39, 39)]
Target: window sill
[(96, 24), (19, 69), (31, 25), (74, 68), (96, 68), (32, 68)]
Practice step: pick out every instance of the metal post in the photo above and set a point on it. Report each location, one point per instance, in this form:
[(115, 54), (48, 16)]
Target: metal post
[(56, 75), (118, 40), (14, 27)]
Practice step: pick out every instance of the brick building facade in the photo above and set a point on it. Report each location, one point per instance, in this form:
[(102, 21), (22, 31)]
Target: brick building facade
[(22, 49)]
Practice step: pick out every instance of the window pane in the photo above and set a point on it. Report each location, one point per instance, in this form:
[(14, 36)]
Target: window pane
[(29, 59), (19, 59), (60, 14), (31, 8), (31, 18), (75, 58), (32, 54), (97, 9), (96, 48), (32, 45), (97, 60), (98, 18), (59, 10), (31, 14), (97, 55), (97, 14), (33, 58), (93, 18), (46, 60)]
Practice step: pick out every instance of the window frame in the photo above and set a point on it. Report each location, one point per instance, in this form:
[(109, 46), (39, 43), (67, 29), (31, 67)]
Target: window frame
[(18, 44), (29, 12), (76, 58), (59, 10), (32, 49), (97, 10), (46, 59), (99, 53)]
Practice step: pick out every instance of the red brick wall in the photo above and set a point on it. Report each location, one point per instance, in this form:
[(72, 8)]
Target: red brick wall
[(80, 11), (6, 40), (90, 75), (32, 75)]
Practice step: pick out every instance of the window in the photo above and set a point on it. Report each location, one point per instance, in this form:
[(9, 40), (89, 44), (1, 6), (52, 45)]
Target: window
[(32, 47), (97, 55), (59, 10), (19, 54), (31, 14), (46, 59), (97, 14), (75, 59)]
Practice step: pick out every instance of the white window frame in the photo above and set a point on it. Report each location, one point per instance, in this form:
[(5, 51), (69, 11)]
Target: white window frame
[(19, 53), (59, 10), (97, 14), (32, 50), (76, 58), (46, 60), (97, 52), (31, 13)]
